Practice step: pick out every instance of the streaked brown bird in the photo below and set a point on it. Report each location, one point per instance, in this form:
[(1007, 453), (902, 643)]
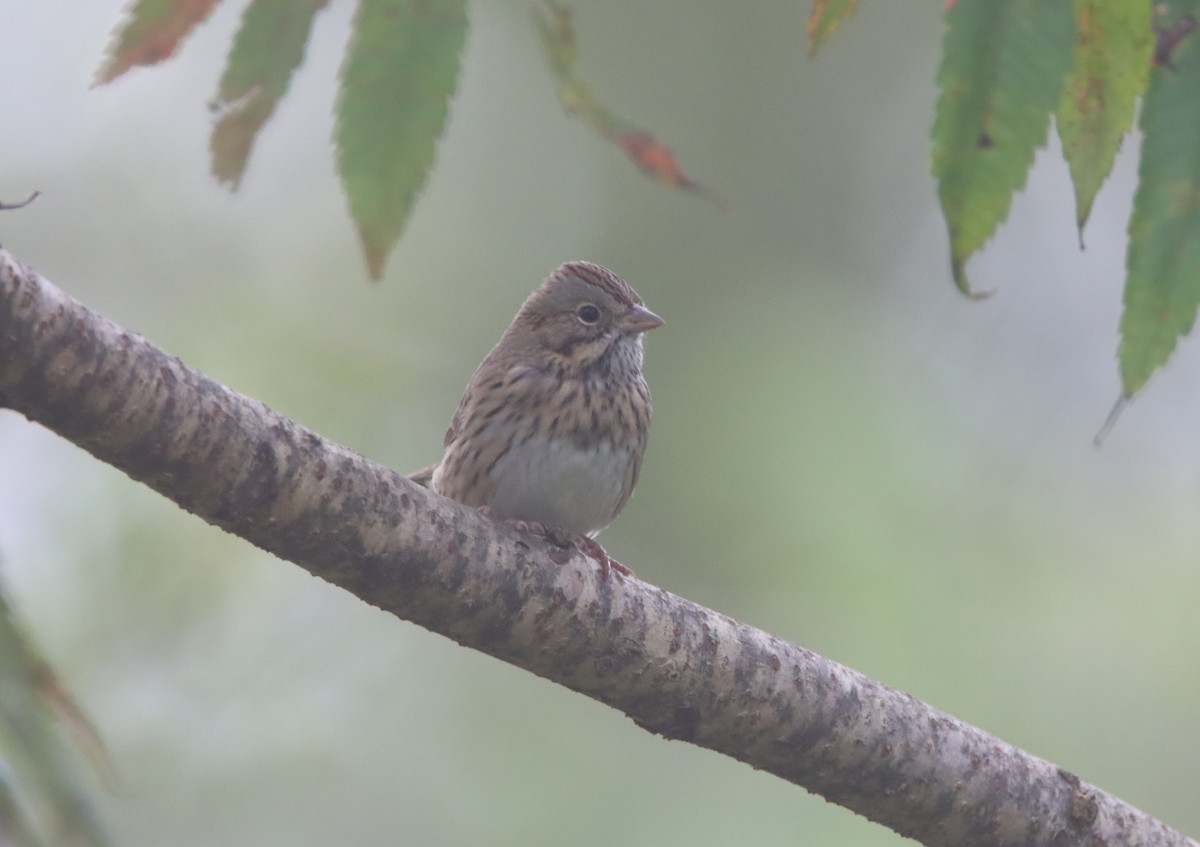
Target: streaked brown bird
[(553, 425)]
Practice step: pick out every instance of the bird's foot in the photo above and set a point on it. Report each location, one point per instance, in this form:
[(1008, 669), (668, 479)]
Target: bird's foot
[(566, 540), (591, 548)]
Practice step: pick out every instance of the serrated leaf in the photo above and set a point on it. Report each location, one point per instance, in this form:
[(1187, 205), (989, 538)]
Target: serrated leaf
[(824, 19), (151, 33), (268, 48), (1113, 49), (400, 72), (649, 153), (1003, 64), (1162, 290)]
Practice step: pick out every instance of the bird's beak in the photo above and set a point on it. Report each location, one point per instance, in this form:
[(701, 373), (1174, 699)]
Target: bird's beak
[(639, 319)]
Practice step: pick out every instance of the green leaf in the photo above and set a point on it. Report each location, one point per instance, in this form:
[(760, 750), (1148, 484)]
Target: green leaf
[(824, 20), (40, 799), (266, 52), (1003, 64), (151, 33), (1162, 290), (400, 73), (644, 149), (561, 48), (1113, 49), (16, 830)]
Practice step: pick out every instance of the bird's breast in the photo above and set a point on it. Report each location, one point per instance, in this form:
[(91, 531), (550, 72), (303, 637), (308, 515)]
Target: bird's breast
[(555, 482)]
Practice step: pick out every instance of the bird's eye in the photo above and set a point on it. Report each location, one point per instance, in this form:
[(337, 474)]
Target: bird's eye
[(588, 313)]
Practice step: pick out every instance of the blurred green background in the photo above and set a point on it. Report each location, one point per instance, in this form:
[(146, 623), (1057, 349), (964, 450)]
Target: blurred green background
[(845, 452)]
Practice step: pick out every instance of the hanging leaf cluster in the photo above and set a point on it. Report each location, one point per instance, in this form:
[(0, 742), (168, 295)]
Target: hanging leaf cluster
[(1007, 68), (398, 77)]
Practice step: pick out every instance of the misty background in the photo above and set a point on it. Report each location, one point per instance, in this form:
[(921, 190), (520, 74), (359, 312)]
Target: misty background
[(846, 452)]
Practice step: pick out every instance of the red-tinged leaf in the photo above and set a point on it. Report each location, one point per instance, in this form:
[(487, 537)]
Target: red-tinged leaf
[(1162, 291), (233, 136), (1003, 64), (1113, 47), (151, 33), (562, 52), (267, 50), (399, 75), (658, 160), (824, 20)]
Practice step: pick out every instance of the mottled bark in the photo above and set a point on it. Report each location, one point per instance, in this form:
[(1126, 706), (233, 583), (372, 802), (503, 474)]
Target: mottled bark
[(677, 669)]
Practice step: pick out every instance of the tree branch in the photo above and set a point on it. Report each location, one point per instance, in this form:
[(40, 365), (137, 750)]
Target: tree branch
[(677, 669)]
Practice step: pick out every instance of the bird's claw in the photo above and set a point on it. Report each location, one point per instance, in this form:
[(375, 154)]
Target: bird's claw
[(591, 548), (565, 539)]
